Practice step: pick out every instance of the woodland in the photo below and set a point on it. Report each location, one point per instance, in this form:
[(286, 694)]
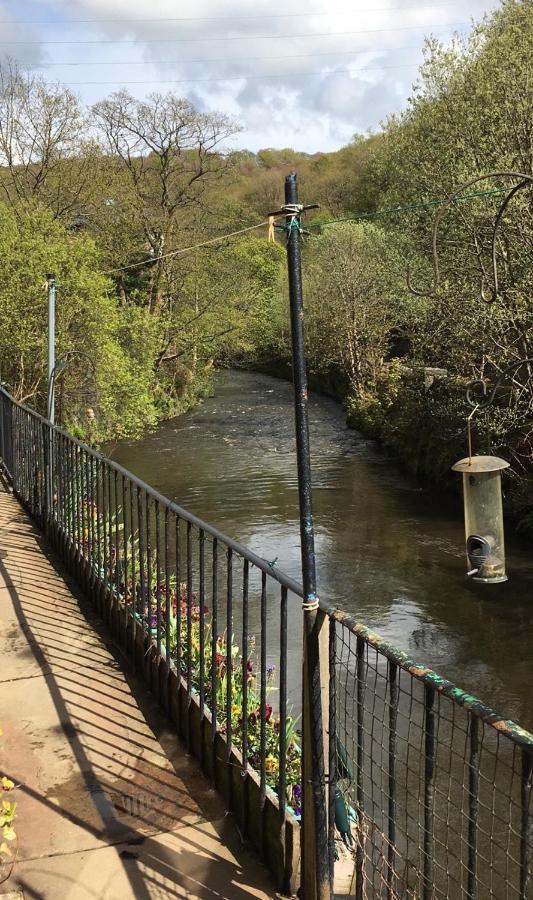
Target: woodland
[(111, 198)]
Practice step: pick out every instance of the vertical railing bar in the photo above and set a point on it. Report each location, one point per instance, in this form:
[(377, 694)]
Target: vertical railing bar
[(168, 590), (99, 508), (111, 560), (133, 578), (72, 502), (140, 600), (125, 567), (429, 771), (158, 574), (473, 803), (282, 788), (189, 611), (391, 824), (201, 614), (86, 503), (245, 673), (83, 510), (148, 523), (229, 663), (79, 511), (360, 706), (73, 505), (526, 823), (118, 564), (263, 697), (214, 655), (201, 624), (178, 603), (92, 509), (189, 632), (332, 739)]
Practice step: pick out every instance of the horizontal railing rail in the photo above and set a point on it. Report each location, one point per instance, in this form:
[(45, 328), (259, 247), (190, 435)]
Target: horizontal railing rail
[(429, 788)]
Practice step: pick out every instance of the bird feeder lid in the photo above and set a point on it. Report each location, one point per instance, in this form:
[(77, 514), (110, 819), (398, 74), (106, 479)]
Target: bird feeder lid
[(476, 464)]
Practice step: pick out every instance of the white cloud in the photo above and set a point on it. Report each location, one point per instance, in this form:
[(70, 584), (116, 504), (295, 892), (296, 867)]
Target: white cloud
[(312, 104)]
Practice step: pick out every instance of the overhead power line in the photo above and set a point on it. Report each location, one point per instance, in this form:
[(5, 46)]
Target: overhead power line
[(246, 76), (242, 37), (224, 59), (306, 15)]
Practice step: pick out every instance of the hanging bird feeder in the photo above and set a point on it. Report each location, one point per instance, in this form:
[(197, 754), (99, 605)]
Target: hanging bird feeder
[(482, 492)]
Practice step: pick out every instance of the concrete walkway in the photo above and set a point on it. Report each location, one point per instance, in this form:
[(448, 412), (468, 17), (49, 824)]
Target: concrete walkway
[(109, 806)]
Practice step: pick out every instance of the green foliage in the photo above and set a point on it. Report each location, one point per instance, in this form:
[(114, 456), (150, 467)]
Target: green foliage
[(111, 381)]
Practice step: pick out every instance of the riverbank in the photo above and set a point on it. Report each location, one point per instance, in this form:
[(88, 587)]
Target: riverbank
[(420, 417)]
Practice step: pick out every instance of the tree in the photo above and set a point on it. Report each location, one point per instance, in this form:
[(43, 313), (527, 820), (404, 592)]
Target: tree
[(43, 149), (88, 320), (168, 152), (357, 302)]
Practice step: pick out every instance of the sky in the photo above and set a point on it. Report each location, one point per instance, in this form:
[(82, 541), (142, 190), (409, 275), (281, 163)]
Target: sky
[(307, 75)]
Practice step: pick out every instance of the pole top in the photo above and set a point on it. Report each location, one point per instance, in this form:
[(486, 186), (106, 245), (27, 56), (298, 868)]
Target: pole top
[(292, 176), (50, 277)]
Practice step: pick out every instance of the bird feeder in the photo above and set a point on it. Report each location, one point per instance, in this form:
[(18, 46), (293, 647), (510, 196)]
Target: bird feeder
[(482, 492)]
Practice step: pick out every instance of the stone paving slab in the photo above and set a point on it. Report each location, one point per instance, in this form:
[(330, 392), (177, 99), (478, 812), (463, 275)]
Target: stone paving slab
[(109, 805)]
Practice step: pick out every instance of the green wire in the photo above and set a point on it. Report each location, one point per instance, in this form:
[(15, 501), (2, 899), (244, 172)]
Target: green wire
[(400, 209)]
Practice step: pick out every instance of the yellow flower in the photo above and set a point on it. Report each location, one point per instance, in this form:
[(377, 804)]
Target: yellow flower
[(7, 784), (271, 763), (9, 833)]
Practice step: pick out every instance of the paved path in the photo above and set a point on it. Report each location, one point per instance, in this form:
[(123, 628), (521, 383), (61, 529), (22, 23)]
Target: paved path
[(109, 806)]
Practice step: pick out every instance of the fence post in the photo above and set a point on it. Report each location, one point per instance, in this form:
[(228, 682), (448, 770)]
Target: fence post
[(316, 881)]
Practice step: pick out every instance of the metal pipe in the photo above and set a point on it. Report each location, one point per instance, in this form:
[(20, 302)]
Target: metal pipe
[(316, 774), (51, 282)]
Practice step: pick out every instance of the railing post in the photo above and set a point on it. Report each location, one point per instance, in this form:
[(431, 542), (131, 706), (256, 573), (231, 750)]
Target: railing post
[(316, 856)]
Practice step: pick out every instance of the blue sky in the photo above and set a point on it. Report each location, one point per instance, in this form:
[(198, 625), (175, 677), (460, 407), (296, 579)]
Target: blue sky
[(307, 76)]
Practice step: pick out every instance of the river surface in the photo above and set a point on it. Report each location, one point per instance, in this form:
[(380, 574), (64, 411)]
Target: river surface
[(388, 551)]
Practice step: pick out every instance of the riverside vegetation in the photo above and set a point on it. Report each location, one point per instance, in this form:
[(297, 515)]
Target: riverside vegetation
[(88, 192)]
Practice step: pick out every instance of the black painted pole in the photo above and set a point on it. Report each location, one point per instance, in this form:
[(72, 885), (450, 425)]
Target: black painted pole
[(313, 762)]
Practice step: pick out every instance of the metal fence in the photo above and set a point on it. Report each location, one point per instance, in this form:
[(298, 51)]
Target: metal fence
[(430, 789)]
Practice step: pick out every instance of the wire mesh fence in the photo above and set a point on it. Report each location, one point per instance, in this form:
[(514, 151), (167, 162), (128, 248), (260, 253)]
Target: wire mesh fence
[(438, 787), (430, 789)]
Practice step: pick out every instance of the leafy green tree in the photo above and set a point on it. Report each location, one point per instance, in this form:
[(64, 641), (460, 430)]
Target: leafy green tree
[(113, 372)]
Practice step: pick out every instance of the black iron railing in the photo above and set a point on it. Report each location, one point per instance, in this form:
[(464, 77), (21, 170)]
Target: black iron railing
[(430, 789)]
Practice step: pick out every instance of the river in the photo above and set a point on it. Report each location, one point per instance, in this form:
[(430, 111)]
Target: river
[(388, 551)]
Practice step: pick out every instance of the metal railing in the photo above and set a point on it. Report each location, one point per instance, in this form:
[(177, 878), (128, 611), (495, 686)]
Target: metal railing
[(430, 789)]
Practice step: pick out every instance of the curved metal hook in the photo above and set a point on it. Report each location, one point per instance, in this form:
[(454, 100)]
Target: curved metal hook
[(520, 176), (477, 394), (525, 182)]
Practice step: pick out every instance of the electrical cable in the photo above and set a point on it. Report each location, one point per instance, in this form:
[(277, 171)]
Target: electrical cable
[(414, 65), (223, 59), (242, 37), (221, 18)]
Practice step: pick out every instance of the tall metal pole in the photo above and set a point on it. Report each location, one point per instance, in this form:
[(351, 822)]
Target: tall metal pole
[(315, 839), (51, 281)]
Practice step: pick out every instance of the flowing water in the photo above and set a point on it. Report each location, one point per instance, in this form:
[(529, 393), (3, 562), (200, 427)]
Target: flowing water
[(388, 551)]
